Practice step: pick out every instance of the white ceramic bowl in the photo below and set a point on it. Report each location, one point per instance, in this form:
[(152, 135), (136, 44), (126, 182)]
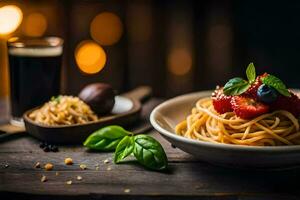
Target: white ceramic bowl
[(166, 115)]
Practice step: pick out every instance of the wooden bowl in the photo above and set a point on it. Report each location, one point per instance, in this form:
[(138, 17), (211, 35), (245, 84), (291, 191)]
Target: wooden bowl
[(126, 111)]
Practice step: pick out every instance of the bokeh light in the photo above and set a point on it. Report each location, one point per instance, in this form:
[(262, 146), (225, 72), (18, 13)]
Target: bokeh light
[(90, 57), (106, 28), (179, 61), (35, 25), (10, 18)]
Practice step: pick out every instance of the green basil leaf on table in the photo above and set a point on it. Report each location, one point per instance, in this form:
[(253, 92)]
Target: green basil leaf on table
[(150, 153), (250, 72), (236, 86), (124, 148), (277, 84), (106, 139)]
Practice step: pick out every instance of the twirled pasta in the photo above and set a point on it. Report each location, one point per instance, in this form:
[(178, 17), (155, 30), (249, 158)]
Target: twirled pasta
[(63, 110), (271, 129)]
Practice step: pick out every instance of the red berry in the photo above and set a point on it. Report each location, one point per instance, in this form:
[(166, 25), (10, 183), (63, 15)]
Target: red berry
[(252, 91), (291, 104), (248, 108), (220, 101)]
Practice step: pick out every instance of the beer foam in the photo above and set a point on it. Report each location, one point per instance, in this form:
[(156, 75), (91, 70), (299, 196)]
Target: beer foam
[(36, 52)]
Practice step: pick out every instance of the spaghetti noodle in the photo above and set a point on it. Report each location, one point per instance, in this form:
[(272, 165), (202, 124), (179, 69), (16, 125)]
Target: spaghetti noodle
[(270, 129)]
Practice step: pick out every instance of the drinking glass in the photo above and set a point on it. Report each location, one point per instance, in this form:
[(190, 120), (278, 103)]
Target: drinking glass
[(34, 71)]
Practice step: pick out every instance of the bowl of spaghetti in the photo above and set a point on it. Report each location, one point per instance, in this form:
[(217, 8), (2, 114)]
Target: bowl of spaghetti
[(245, 131)]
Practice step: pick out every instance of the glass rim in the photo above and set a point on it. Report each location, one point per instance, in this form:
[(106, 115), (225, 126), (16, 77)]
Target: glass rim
[(43, 42)]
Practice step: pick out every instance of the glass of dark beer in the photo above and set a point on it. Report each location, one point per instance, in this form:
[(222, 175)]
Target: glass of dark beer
[(35, 70)]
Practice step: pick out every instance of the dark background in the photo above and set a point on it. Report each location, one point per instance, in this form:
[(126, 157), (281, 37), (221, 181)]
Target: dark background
[(220, 37)]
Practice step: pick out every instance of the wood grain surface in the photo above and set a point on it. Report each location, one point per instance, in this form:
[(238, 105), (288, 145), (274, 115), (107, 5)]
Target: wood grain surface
[(187, 177)]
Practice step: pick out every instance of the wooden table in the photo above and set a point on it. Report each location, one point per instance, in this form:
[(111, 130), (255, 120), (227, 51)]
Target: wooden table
[(187, 177)]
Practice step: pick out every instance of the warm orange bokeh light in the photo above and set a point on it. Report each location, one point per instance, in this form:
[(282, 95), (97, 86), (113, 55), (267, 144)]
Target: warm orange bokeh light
[(10, 18), (179, 62), (90, 57), (35, 25), (106, 28)]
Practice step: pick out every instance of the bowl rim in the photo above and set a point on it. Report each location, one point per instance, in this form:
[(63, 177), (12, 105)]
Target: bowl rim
[(199, 143)]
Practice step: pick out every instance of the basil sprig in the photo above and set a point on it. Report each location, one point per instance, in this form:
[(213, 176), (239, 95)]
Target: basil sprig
[(237, 86), (251, 73), (277, 84), (124, 149), (145, 149), (149, 152), (57, 98), (106, 139)]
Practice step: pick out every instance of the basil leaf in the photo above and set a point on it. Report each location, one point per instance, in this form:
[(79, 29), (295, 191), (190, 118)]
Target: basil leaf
[(236, 86), (124, 148), (250, 72), (150, 153), (106, 138), (277, 84), (57, 98)]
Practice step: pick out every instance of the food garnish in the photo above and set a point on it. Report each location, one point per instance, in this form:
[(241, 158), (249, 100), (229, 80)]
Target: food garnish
[(43, 178), (221, 101), (255, 96), (145, 149), (68, 161), (48, 147), (259, 111), (248, 108), (48, 166), (69, 182), (37, 165), (127, 190), (83, 166)]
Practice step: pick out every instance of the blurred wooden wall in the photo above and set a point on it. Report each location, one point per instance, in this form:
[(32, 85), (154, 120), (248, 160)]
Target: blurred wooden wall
[(175, 46)]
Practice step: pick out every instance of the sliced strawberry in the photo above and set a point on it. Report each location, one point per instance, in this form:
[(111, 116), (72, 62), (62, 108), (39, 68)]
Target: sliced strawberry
[(248, 108), (220, 101), (291, 104), (252, 91)]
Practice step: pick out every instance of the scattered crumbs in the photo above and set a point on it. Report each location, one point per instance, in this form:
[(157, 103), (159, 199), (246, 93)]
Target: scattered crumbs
[(69, 182), (79, 178), (97, 165), (56, 173), (106, 161), (44, 179), (108, 168), (37, 165), (83, 166), (6, 166), (97, 168), (68, 161), (198, 187), (127, 190), (48, 167)]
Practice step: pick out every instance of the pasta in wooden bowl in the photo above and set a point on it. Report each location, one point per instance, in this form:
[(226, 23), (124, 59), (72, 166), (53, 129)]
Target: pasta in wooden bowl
[(63, 110)]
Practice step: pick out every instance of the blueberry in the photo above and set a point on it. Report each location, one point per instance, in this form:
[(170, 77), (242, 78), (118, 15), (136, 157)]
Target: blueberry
[(266, 94), (54, 148), (42, 145), (46, 149)]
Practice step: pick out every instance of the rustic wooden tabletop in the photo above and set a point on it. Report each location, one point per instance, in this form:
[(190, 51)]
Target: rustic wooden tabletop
[(187, 177)]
